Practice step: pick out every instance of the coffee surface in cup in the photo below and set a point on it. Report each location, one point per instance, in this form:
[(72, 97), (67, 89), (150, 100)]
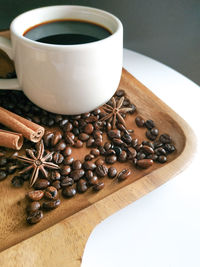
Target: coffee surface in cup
[(67, 32)]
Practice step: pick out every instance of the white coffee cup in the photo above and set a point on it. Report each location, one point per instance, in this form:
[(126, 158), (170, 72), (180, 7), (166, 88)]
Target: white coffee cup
[(65, 79)]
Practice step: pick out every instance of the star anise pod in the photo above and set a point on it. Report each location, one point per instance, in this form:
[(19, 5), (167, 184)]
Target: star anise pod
[(114, 112), (37, 161)]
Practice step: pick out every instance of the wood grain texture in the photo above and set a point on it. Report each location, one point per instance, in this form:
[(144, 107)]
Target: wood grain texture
[(59, 239)]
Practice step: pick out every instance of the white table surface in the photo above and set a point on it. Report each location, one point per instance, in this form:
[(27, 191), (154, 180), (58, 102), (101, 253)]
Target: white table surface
[(162, 229)]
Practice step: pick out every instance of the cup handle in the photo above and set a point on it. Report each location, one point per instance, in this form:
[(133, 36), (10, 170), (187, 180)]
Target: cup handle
[(12, 84)]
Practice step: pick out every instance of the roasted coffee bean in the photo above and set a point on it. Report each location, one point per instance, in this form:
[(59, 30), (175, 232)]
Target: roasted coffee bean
[(67, 151), (111, 159), (133, 108), (68, 127), (148, 143), (97, 134), (150, 136), (10, 168), (162, 159), (138, 147), (139, 121), (63, 122), (3, 161), (35, 195), (97, 111), (131, 153), (82, 186), (61, 145), (35, 217), (98, 142), (26, 176), (102, 151), (41, 184), (140, 155), (83, 137), (101, 170), (120, 93), (51, 193), (89, 174), (57, 136), (89, 165), (51, 205), (89, 128), (157, 144), (108, 126), (149, 124), (134, 142), (57, 184), (144, 163), (58, 158), (98, 186), (114, 134), (126, 102), (117, 150), (160, 151), (50, 122), (91, 119), (127, 138), (123, 175), (147, 150), (122, 157), (85, 115), (75, 124), (117, 142), (66, 181), (69, 138), (95, 152), (36, 119), (154, 157), (78, 144), (89, 157), (107, 146), (33, 206), (68, 192), (47, 138), (54, 175), (75, 117), (110, 152), (65, 170), (58, 118), (154, 131), (2, 154), (76, 165), (77, 174), (93, 180), (90, 142), (17, 181), (165, 138), (68, 160), (112, 172), (76, 131), (99, 162), (169, 148)]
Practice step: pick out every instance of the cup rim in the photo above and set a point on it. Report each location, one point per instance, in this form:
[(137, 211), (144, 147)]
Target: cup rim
[(15, 32)]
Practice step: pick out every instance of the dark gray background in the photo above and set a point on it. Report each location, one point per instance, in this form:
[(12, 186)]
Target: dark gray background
[(166, 30)]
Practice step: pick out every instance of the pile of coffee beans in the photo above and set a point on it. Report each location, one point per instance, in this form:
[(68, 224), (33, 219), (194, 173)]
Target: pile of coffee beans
[(105, 147)]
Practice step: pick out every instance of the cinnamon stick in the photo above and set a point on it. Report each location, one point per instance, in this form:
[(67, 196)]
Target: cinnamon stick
[(28, 129), (11, 139)]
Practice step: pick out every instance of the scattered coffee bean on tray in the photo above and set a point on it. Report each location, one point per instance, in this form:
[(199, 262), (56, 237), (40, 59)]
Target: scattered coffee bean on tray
[(107, 141)]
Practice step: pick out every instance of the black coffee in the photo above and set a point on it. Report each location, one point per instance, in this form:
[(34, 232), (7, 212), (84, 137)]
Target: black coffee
[(67, 32)]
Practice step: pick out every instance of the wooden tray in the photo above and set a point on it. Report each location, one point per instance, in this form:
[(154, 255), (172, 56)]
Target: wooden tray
[(68, 227)]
